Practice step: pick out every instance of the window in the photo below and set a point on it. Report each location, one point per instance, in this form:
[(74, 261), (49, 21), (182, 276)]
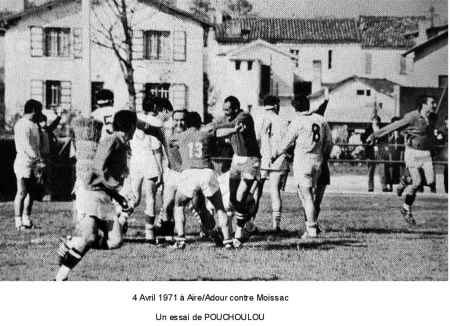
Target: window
[(330, 59), (368, 63), (95, 88), (52, 94), (368, 92), (402, 65), (249, 65), (360, 92), (296, 54), (443, 81), (179, 46), (156, 45), (158, 90), (238, 65), (57, 42)]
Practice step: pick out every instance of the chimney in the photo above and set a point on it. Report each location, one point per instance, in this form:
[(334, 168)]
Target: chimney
[(317, 76), (423, 26)]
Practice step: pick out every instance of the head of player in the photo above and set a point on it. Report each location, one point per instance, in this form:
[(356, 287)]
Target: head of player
[(376, 122), (301, 103), (231, 107), (105, 98), (425, 105), (193, 120), (164, 108), (33, 108), (179, 120), (272, 103), (125, 123)]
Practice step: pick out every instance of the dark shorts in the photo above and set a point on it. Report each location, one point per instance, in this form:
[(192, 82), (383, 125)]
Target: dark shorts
[(324, 178)]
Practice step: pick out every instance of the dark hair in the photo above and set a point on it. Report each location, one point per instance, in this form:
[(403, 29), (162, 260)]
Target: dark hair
[(164, 103), (300, 103), (42, 117), (193, 119), (395, 119), (234, 102), (31, 106), (376, 117), (104, 95), (179, 111), (124, 120), (423, 99), (271, 100)]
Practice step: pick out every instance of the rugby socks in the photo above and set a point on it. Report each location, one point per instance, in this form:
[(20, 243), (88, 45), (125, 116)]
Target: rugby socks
[(194, 212), (70, 260), (250, 226), (409, 200), (180, 220), (26, 220), (18, 221), (242, 219), (149, 227), (276, 218)]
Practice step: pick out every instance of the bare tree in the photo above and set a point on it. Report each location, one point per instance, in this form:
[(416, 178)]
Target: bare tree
[(115, 22), (238, 8), (202, 8)]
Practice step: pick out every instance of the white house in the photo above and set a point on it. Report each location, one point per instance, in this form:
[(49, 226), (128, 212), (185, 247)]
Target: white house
[(430, 61), (44, 50), (355, 100)]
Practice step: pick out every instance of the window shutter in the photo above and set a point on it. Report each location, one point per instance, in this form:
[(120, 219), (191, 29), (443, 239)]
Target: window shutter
[(178, 96), (66, 95), (402, 65), (78, 43), (179, 46), (37, 41), (368, 63), (138, 45), (139, 88), (37, 90)]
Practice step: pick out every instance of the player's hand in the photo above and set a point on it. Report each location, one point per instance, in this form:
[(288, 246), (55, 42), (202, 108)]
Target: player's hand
[(239, 127), (209, 128), (59, 111), (273, 159), (370, 140)]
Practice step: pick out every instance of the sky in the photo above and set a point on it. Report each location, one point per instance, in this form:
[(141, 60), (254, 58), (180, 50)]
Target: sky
[(325, 8)]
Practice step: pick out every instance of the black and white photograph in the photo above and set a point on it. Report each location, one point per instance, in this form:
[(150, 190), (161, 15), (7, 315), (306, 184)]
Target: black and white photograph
[(217, 142)]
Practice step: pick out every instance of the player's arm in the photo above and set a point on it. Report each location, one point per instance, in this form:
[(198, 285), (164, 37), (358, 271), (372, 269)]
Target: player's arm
[(328, 141), (226, 132), (287, 142), (397, 125), (323, 107), (24, 140)]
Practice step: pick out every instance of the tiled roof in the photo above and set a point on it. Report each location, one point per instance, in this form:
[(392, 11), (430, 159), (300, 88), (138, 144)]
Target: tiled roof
[(289, 30), (387, 31)]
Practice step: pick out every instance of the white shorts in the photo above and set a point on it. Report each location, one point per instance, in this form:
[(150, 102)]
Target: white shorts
[(306, 171), (224, 185), (193, 180), (172, 178), (24, 169), (144, 167), (94, 203), (417, 159)]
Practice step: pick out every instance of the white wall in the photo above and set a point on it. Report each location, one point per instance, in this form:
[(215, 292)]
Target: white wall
[(345, 106), (427, 70), (21, 68)]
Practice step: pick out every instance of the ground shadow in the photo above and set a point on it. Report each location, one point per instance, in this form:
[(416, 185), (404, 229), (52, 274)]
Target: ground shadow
[(389, 231), (271, 278), (319, 244)]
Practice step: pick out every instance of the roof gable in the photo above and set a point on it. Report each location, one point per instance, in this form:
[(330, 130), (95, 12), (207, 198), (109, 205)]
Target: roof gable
[(387, 31), (289, 30), (245, 48), (383, 86), (427, 43), (167, 8)]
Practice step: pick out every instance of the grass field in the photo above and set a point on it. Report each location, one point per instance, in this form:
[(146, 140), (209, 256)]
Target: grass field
[(365, 239)]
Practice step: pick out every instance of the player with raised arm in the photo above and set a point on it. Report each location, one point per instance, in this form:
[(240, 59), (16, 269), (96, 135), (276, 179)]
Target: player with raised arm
[(94, 198), (419, 144), (313, 142), (145, 165), (198, 175), (105, 111), (270, 131), (245, 166)]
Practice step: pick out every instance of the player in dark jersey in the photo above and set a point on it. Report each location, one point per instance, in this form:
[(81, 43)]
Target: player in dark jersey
[(246, 163), (419, 143), (198, 175)]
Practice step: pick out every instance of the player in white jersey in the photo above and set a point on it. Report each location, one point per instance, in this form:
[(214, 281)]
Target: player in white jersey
[(105, 111), (270, 131), (145, 165), (313, 143)]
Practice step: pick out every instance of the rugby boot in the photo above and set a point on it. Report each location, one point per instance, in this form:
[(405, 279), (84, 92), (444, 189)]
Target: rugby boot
[(407, 215)]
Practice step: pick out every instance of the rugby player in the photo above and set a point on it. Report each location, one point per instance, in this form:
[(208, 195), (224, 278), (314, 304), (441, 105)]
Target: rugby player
[(105, 111), (417, 126), (313, 143), (245, 166), (270, 131), (198, 175), (94, 198)]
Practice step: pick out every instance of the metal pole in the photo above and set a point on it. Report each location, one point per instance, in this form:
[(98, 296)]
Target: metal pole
[(86, 80)]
